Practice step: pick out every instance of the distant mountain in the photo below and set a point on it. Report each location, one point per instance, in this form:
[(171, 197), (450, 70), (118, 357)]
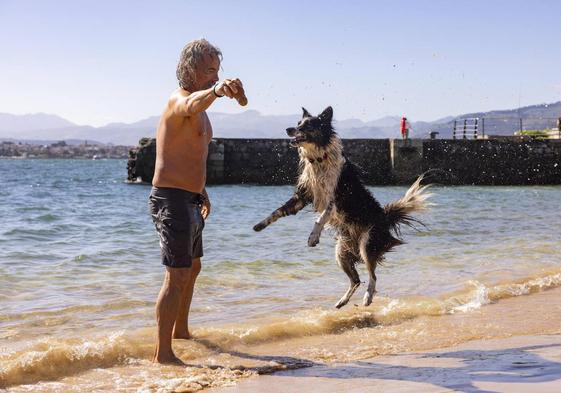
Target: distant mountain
[(252, 124), (388, 121), (32, 121), (504, 122)]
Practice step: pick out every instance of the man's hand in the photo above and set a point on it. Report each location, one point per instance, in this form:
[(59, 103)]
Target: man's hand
[(229, 87), (205, 208)]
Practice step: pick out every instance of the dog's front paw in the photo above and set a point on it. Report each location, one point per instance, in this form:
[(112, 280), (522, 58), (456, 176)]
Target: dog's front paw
[(313, 240), (259, 227)]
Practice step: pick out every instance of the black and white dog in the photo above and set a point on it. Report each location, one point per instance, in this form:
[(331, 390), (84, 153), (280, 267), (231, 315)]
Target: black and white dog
[(366, 230)]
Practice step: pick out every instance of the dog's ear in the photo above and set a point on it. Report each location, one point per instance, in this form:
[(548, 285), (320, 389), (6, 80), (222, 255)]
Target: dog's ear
[(305, 113), (326, 115)]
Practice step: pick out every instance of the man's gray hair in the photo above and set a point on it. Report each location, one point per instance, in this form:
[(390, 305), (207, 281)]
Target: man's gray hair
[(191, 57)]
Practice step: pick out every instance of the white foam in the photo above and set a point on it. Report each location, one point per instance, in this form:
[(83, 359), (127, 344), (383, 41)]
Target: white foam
[(392, 305), (479, 297)]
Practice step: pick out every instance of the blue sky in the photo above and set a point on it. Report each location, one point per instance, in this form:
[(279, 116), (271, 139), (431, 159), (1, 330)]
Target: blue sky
[(95, 62)]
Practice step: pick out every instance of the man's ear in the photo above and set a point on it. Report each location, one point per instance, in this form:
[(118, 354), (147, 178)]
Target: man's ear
[(326, 115), (305, 113)]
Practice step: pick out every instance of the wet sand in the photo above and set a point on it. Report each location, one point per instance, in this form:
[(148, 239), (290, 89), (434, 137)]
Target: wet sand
[(516, 364)]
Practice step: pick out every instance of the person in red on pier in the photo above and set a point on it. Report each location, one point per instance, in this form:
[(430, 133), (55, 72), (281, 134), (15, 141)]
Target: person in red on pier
[(404, 126)]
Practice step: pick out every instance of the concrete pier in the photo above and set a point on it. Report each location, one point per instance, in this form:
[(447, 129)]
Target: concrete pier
[(383, 161)]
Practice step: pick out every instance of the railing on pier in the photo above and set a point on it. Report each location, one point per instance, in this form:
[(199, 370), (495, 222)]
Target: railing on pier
[(468, 128), (481, 127)]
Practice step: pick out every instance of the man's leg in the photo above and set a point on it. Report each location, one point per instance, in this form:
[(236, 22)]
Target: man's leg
[(181, 327), (166, 310)]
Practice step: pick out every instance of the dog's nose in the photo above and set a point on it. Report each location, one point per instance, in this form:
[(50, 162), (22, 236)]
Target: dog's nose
[(290, 131)]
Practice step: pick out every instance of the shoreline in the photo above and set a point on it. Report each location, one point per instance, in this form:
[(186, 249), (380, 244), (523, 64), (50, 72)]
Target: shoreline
[(513, 344)]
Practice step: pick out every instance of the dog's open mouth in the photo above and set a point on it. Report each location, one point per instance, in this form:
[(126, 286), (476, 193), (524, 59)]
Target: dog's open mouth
[(297, 140)]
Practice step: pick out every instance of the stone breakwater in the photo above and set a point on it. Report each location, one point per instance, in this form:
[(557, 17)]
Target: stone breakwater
[(383, 161)]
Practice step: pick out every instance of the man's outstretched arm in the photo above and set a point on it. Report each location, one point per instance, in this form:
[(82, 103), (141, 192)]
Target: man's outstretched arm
[(189, 104)]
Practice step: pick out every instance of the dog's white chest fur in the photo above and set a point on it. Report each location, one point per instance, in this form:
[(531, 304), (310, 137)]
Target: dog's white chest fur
[(321, 182), (321, 178)]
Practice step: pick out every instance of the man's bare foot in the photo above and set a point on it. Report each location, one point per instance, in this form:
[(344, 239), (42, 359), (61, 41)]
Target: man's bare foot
[(168, 359), (185, 335)]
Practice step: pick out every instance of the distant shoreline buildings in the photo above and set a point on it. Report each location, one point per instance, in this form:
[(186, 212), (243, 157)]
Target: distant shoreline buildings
[(61, 149)]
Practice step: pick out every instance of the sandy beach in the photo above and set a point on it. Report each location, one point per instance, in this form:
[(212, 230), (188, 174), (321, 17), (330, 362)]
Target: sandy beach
[(516, 364)]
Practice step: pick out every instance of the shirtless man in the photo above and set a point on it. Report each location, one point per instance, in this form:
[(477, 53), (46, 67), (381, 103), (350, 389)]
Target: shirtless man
[(178, 202)]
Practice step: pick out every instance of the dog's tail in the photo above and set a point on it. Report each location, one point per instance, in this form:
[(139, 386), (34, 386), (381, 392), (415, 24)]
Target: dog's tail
[(415, 200)]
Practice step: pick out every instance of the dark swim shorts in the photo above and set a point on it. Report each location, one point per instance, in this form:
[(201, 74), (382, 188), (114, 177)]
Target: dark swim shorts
[(177, 216)]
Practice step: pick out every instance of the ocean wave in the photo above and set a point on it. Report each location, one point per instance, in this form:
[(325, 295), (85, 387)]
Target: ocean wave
[(38, 234), (52, 359), (48, 217), (383, 312), (72, 310)]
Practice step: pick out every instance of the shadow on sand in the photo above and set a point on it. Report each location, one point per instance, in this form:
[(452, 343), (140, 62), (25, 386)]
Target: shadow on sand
[(279, 362), (513, 365)]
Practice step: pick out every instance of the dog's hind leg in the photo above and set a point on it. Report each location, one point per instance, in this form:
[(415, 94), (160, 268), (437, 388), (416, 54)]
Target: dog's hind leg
[(370, 255), (346, 260), (371, 291)]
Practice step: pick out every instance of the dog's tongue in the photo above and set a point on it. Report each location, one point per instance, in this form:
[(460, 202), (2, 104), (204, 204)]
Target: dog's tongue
[(296, 140)]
